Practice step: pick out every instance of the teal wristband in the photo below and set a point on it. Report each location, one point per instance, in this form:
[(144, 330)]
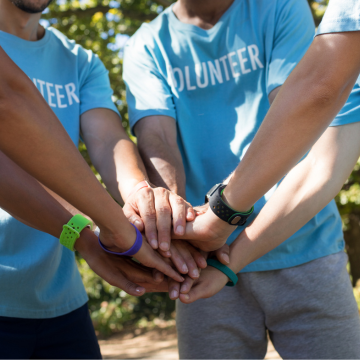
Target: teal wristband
[(224, 269)]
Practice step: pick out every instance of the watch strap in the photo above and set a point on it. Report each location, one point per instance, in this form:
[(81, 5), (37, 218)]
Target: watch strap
[(224, 211), (224, 269), (71, 230)]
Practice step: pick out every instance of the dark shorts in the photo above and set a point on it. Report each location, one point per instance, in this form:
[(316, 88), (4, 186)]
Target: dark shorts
[(70, 336)]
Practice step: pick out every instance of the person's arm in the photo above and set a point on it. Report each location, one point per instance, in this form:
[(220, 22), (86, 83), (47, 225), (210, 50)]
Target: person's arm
[(26, 199), (306, 190), (308, 101), (117, 159), (33, 138)]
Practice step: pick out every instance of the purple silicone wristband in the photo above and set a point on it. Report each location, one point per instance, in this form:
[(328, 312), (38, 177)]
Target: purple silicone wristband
[(132, 251)]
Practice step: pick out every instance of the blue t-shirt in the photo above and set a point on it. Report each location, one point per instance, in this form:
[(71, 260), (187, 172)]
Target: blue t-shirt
[(215, 83), (38, 276), (340, 16)]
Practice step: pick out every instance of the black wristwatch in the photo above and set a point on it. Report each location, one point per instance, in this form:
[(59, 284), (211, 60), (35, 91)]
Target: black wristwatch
[(222, 210)]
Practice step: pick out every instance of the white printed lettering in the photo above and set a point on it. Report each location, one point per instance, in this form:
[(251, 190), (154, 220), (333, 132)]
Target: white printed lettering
[(50, 94), (59, 96), (223, 60), (232, 64), (198, 75), (243, 61), (215, 72), (254, 56), (181, 77), (34, 81), (187, 78), (42, 83), (70, 91)]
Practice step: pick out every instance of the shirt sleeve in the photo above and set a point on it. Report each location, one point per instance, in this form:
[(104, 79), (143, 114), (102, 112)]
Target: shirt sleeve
[(95, 89), (340, 16), (350, 113), (147, 90), (293, 33)]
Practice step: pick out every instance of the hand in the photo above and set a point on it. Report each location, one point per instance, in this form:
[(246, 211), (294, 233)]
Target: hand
[(175, 288), (186, 258), (118, 271), (211, 281), (152, 208), (146, 255), (207, 232)]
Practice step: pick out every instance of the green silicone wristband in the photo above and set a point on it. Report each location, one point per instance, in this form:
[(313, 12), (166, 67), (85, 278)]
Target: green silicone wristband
[(224, 269), (71, 230)]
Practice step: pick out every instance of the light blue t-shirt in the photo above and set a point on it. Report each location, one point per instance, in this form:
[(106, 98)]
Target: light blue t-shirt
[(215, 83), (38, 276), (343, 16)]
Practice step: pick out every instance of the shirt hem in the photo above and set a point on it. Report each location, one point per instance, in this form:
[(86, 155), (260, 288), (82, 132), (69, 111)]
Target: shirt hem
[(6, 311), (338, 26), (278, 265), (99, 106)]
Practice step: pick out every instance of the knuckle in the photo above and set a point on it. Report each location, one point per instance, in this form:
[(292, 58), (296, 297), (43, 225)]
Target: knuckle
[(164, 209)]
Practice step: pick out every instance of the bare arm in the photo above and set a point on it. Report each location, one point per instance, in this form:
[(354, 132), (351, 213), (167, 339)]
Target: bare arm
[(308, 188), (308, 101), (157, 142), (33, 137)]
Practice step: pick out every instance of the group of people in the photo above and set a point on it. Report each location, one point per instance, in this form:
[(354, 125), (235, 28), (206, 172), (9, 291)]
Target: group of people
[(230, 100)]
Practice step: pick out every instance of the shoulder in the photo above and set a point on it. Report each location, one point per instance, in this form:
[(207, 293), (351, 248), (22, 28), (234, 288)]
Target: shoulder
[(70, 46), (149, 33)]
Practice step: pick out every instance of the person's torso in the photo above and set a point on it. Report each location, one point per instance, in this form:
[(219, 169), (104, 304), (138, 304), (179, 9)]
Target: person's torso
[(38, 276), (219, 84)]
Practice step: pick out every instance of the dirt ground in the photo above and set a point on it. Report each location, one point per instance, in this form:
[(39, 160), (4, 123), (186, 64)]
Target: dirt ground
[(158, 343)]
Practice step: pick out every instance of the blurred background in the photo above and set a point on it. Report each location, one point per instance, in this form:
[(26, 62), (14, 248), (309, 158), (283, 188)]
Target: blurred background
[(104, 27)]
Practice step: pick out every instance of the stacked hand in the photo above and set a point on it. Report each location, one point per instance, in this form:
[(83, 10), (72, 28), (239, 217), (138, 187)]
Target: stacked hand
[(155, 212)]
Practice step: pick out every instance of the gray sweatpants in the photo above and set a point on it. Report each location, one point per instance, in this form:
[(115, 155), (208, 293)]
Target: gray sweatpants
[(309, 312)]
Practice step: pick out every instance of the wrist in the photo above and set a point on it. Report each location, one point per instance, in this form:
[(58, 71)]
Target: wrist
[(240, 252), (85, 241), (133, 186), (229, 196)]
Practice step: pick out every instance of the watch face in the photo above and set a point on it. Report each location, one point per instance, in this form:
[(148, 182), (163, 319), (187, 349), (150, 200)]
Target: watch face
[(211, 191)]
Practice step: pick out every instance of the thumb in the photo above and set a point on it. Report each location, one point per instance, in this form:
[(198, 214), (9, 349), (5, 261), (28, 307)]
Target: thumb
[(223, 254), (199, 291), (133, 217)]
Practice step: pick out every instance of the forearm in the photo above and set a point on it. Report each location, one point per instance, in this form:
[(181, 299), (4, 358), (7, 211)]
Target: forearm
[(120, 167), (306, 190), (44, 149), (25, 199), (164, 165), (308, 101)]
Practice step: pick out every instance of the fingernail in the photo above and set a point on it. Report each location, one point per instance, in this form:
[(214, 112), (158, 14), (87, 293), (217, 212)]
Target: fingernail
[(180, 230), (174, 294), (138, 223), (226, 258), (168, 253), (139, 290), (195, 273), (181, 279), (183, 289), (186, 297), (154, 244), (185, 269), (164, 246)]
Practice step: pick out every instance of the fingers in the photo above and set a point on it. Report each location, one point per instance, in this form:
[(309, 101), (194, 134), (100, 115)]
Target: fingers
[(174, 289), (198, 257), (153, 259), (186, 286), (163, 218), (190, 212), (178, 207), (223, 254), (133, 217), (157, 276), (145, 201), (178, 260), (197, 292)]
